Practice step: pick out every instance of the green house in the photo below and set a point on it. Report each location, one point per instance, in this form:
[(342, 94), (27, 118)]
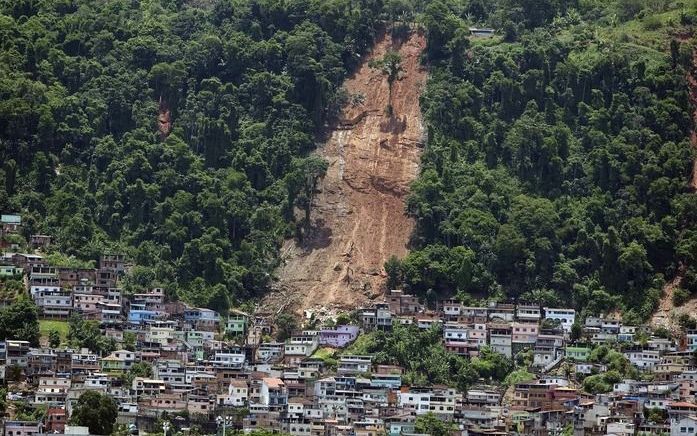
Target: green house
[(113, 364), (236, 323), (579, 354), (14, 220), (10, 271)]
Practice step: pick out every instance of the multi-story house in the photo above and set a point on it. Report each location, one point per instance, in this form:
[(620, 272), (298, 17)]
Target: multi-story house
[(72, 277), (159, 333), (98, 382), (377, 317), (109, 313), (114, 262), (436, 400), (425, 321), (579, 354), (523, 335), (237, 394), (626, 333), (500, 338), (118, 361), (474, 315), (233, 358), (499, 312), (270, 352), (43, 278), (139, 315), (24, 428), (147, 388), (455, 332), (528, 313), (54, 303), (52, 391), (40, 363), (56, 420), (85, 301), (16, 353), (202, 319), (338, 337), (354, 365), (452, 310), (565, 317), (299, 347), (643, 359), (400, 303), (236, 323), (173, 373), (83, 363), (273, 393), (483, 396)]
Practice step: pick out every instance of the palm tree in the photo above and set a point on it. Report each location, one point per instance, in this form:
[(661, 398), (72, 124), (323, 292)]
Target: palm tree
[(391, 66)]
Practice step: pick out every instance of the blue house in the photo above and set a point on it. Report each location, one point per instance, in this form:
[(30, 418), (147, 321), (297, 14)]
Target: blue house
[(141, 316)]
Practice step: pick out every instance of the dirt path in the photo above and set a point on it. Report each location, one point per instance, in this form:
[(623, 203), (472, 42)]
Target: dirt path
[(359, 214)]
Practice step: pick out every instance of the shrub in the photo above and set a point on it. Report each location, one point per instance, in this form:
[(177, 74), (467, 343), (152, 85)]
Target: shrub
[(680, 296), (651, 23)]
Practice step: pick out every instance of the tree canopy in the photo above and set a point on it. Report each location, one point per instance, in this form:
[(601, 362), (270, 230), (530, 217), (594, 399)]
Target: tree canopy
[(174, 132), (557, 163), (95, 410)]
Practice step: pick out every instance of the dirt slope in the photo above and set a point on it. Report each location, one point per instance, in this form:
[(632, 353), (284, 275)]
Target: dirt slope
[(358, 215)]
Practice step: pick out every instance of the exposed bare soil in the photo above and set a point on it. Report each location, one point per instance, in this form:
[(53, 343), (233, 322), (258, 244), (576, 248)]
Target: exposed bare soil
[(358, 216), (164, 119)]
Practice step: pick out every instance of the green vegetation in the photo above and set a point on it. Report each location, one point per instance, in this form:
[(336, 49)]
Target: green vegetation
[(362, 345), (326, 355), (618, 368), (391, 66), (432, 425), (19, 321), (62, 260), (422, 354), (555, 170), (680, 296), (286, 324), (84, 333), (11, 287), (46, 327), (138, 369), (95, 410), (518, 376), (557, 163), (26, 411), (176, 133)]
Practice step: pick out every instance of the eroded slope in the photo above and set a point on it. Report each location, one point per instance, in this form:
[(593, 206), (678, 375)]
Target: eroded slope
[(359, 216)]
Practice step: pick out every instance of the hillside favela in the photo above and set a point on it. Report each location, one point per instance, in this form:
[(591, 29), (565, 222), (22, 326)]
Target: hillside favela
[(348, 217)]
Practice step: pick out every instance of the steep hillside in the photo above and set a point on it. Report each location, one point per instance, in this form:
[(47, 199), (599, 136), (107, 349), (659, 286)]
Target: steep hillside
[(359, 215), (668, 313), (172, 133), (558, 160)]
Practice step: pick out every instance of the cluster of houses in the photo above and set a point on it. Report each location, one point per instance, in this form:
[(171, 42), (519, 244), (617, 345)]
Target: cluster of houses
[(209, 371)]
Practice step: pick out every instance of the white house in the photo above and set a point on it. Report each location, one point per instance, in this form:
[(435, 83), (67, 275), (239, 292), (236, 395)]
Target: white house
[(566, 317), (684, 426)]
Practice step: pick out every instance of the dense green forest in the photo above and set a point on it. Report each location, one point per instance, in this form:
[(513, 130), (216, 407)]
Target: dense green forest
[(558, 156), (248, 85)]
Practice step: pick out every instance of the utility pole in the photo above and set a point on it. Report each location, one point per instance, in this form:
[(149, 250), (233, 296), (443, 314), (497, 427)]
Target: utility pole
[(221, 422)]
